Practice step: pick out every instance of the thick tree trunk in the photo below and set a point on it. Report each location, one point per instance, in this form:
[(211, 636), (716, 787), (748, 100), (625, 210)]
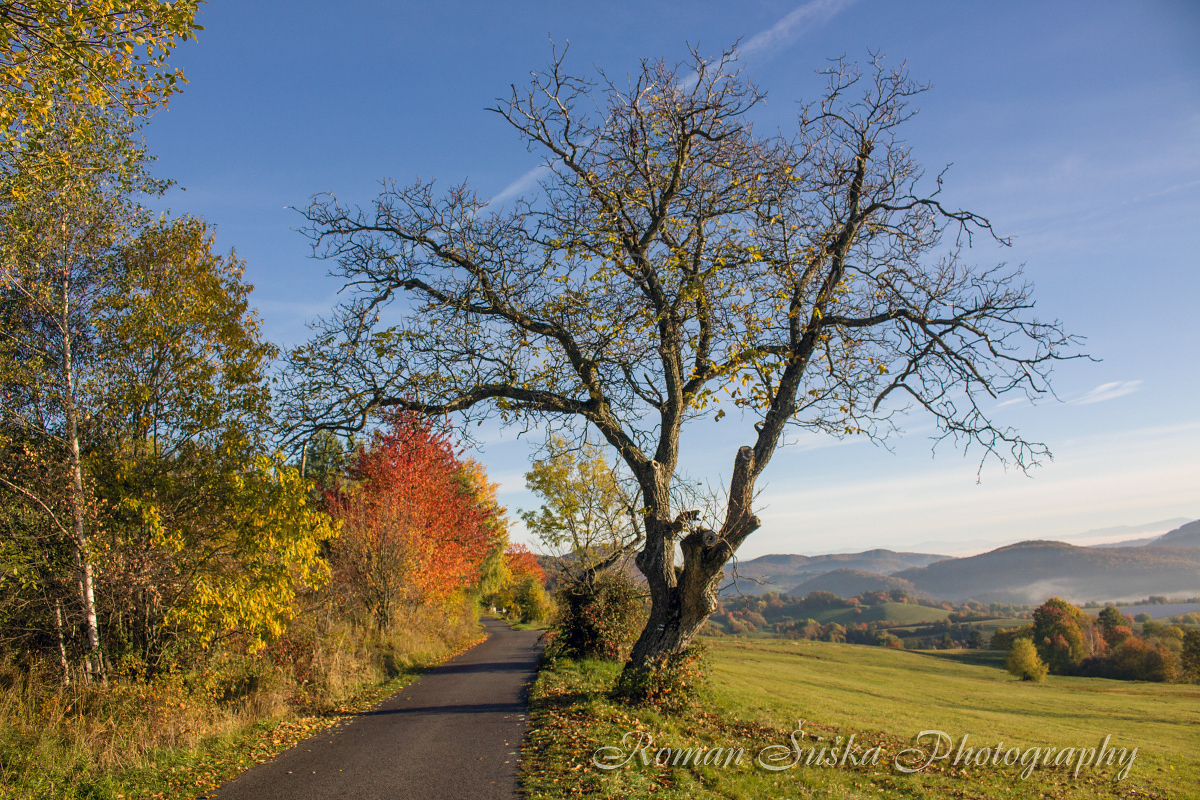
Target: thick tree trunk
[(681, 599), (674, 622)]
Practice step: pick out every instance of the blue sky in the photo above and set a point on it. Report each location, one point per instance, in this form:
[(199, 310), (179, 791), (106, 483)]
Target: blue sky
[(1073, 126)]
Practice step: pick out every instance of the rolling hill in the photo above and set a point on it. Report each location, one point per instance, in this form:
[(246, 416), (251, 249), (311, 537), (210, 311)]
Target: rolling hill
[(1184, 536), (899, 613), (780, 573), (1030, 572), (1187, 535), (852, 582), (1026, 572)]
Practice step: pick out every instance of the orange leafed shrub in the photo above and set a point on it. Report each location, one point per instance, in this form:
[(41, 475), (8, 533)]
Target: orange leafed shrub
[(413, 530)]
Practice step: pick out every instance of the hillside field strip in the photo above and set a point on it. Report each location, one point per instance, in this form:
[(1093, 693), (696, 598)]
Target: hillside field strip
[(759, 690)]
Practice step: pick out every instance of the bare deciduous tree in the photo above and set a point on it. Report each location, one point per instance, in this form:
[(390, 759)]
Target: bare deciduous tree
[(675, 259)]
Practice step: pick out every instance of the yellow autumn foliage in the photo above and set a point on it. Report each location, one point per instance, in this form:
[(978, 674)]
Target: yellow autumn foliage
[(270, 551)]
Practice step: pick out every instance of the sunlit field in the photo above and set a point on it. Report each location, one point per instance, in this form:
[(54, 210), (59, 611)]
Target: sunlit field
[(760, 690)]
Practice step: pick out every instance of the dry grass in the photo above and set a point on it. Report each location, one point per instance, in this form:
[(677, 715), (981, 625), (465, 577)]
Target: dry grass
[(188, 730)]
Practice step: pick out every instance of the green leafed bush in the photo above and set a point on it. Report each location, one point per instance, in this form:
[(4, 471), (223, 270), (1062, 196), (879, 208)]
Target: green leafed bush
[(1024, 662), (597, 618)]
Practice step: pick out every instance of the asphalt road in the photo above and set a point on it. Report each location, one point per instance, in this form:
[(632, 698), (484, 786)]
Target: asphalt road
[(454, 733)]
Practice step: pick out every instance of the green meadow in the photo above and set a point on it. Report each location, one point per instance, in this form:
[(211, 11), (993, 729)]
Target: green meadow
[(899, 613), (757, 691)]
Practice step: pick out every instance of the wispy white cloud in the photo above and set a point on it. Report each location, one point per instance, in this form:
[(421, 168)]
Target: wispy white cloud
[(786, 30), (1107, 391), (518, 187), (512, 483), (803, 18), (1170, 190)]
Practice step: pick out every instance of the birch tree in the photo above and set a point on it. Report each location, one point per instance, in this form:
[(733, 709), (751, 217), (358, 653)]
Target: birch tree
[(59, 235)]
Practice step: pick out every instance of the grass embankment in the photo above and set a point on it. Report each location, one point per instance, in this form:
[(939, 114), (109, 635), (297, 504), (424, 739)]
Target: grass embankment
[(190, 731), (760, 689)]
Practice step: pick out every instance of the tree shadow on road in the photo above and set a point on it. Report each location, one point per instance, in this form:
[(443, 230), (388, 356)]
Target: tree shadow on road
[(477, 708)]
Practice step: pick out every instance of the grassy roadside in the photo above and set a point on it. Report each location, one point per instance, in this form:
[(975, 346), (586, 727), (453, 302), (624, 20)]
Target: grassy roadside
[(758, 690), (174, 738), (528, 626)]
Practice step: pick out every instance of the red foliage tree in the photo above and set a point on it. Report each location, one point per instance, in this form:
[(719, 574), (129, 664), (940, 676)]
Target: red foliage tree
[(522, 562), (412, 531)]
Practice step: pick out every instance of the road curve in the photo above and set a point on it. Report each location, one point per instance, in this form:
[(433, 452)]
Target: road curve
[(454, 733)]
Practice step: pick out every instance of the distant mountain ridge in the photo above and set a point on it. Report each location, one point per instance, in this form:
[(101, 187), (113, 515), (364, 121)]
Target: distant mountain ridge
[(1186, 535), (781, 573), (1025, 572), (1030, 572)]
